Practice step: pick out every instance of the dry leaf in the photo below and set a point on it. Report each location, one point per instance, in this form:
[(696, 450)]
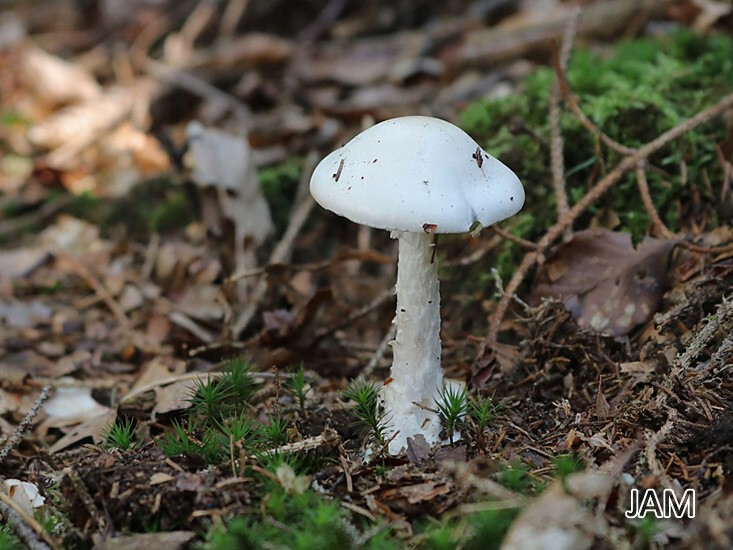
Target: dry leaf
[(21, 262), (73, 403), (560, 518), (366, 61), (420, 492), (223, 164), (604, 281), (72, 235), (244, 52), (93, 428), (24, 494), (24, 314), (418, 449), (160, 477), (55, 80)]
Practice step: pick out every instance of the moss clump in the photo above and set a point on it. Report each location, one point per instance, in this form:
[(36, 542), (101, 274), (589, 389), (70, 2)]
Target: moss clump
[(279, 184), (634, 94)]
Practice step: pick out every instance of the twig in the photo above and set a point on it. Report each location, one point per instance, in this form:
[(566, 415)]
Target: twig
[(99, 289), (356, 315), (86, 499), (721, 320), (16, 437), (50, 208), (653, 441), (572, 103), (233, 13), (323, 22), (380, 351), (646, 199), (329, 438), (659, 225), (197, 86), (25, 526), (626, 164), (282, 250), (557, 162), (513, 238)]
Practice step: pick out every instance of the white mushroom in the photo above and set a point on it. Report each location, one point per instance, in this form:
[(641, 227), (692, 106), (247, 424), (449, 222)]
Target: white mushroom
[(416, 176)]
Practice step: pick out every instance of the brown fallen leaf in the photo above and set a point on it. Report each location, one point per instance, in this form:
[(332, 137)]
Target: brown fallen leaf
[(604, 281), (419, 492), (93, 428), (418, 449)]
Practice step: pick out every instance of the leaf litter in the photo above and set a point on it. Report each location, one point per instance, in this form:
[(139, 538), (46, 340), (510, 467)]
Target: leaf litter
[(135, 322)]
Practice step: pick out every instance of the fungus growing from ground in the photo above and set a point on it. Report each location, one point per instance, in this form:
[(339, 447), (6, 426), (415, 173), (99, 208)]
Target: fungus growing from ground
[(416, 176)]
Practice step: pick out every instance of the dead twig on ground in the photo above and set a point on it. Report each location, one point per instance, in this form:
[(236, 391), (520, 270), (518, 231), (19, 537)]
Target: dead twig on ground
[(99, 289), (355, 316), (557, 160), (282, 250), (660, 226), (16, 437), (380, 351), (721, 320), (573, 105), (25, 526)]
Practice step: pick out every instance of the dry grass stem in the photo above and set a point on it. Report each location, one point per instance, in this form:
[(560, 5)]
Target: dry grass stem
[(16, 437)]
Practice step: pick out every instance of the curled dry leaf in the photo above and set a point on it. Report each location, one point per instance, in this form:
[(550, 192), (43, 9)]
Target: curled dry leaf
[(604, 281)]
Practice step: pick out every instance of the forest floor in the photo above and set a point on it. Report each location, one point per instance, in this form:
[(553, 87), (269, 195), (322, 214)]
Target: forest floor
[(191, 348)]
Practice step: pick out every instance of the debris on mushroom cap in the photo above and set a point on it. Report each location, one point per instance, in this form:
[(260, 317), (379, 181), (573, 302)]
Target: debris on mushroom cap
[(413, 172)]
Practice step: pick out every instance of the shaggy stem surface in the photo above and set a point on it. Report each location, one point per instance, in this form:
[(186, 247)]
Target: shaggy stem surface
[(416, 373)]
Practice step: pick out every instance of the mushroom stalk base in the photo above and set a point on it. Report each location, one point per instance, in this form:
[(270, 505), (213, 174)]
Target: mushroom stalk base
[(416, 376)]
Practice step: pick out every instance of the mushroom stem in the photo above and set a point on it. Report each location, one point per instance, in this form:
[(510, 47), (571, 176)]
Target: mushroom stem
[(416, 375)]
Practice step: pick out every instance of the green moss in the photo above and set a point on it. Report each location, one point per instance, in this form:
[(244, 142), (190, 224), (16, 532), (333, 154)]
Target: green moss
[(641, 89), (279, 184), (301, 521)]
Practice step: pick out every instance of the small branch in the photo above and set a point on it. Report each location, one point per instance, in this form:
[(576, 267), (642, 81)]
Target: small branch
[(721, 320), (557, 160), (646, 199), (513, 238), (99, 289), (329, 438), (380, 351), (86, 499), (658, 224), (24, 426), (25, 526), (356, 315), (572, 103), (282, 250)]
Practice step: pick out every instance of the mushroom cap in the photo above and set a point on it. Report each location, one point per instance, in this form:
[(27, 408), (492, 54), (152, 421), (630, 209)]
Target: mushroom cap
[(416, 173)]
